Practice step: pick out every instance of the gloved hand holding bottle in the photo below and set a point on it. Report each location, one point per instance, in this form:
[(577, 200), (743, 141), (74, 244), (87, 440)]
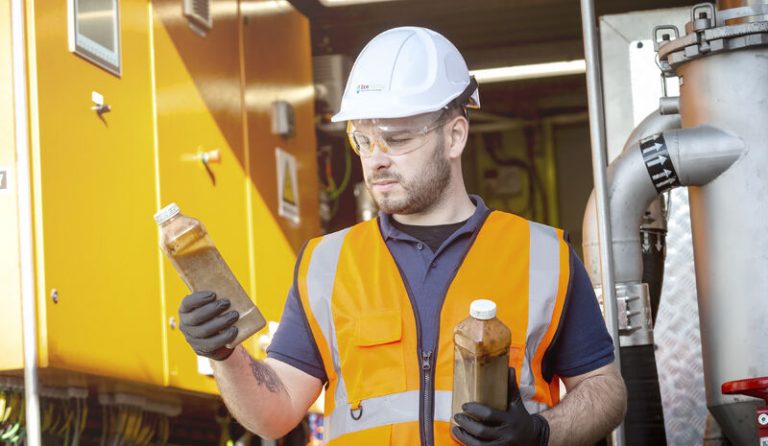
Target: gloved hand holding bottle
[(480, 425), (207, 325), (209, 330)]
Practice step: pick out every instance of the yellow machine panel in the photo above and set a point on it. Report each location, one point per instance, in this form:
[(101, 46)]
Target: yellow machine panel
[(189, 121), (10, 290), (277, 65), (199, 110), (98, 275)]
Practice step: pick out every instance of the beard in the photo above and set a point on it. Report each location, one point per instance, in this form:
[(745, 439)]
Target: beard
[(421, 192)]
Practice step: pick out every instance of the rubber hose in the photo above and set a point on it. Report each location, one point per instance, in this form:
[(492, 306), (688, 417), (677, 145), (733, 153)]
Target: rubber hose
[(644, 423)]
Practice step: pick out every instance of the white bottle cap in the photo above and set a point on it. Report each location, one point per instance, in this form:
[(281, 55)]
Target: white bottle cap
[(166, 213), (482, 309)]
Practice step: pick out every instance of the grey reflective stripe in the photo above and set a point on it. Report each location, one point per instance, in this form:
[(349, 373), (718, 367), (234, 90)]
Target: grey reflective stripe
[(321, 276), (443, 401), (384, 410), (543, 278), (388, 409), (534, 406)]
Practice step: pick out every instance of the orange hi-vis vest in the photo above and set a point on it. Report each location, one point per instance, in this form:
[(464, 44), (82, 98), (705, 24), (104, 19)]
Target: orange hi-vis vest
[(382, 389)]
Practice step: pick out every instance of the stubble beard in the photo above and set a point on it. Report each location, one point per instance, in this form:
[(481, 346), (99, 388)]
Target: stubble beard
[(421, 192)]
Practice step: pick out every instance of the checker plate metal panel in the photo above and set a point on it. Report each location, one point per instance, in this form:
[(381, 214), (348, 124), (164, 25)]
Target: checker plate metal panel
[(677, 336)]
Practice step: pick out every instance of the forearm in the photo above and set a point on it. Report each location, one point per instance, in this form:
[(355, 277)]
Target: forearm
[(589, 412), (255, 395)]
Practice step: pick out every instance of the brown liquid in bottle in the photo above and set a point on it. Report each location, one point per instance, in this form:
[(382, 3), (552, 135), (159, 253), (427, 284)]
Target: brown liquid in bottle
[(192, 252), (481, 359)]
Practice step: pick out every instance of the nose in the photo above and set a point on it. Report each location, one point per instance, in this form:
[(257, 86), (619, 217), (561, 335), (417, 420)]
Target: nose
[(378, 159)]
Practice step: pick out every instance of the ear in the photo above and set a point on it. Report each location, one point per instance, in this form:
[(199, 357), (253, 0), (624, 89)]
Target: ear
[(458, 132)]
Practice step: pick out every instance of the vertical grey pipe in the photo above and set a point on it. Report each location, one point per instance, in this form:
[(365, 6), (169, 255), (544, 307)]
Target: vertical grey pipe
[(21, 126), (599, 163)]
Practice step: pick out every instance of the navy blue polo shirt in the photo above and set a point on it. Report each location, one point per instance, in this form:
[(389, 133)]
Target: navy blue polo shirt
[(582, 344)]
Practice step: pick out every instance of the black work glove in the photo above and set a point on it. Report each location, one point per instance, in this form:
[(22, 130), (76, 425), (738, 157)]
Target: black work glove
[(206, 326), (480, 425)]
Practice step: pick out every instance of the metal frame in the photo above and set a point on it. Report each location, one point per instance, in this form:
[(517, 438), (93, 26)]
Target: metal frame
[(29, 323), (599, 163)]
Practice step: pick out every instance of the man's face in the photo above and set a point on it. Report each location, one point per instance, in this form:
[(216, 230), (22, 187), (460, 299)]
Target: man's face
[(412, 182)]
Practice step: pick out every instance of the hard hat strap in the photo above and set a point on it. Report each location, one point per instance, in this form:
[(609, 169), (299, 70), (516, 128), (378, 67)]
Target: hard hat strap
[(464, 98), (467, 98)]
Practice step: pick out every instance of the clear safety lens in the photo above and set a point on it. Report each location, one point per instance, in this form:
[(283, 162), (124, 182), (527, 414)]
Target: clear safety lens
[(392, 136)]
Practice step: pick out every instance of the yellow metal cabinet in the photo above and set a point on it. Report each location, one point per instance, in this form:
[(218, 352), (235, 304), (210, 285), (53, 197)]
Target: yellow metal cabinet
[(199, 109), (10, 275), (94, 195), (107, 300), (277, 64)]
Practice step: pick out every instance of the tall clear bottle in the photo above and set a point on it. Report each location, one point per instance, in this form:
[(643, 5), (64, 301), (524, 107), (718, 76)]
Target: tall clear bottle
[(481, 358), (190, 249)]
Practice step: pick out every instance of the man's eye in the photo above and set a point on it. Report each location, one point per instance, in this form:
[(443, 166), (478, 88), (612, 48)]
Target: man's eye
[(398, 140), (362, 140)]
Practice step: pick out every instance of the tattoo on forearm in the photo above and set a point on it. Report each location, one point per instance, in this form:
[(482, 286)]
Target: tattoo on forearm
[(264, 375)]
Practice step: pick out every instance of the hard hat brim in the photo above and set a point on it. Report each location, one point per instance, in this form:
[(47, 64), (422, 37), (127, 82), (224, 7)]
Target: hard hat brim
[(382, 107)]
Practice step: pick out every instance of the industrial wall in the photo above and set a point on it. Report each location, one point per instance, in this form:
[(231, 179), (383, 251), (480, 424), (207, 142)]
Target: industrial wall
[(539, 169), (106, 298), (10, 290)]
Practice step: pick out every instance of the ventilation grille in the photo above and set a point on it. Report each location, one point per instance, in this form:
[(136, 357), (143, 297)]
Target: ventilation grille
[(199, 12)]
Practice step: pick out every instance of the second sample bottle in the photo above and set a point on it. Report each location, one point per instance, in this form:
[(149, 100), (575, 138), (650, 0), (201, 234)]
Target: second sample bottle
[(481, 358)]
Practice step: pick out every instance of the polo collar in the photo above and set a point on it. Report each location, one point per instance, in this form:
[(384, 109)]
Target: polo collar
[(389, 231)]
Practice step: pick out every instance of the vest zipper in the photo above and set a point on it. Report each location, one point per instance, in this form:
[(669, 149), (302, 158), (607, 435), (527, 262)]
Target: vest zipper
[(427, 386), (428, 396), (429, 371), (426, 389)]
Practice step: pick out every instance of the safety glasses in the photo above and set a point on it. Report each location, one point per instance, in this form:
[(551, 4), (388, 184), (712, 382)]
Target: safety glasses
[(393, 136)]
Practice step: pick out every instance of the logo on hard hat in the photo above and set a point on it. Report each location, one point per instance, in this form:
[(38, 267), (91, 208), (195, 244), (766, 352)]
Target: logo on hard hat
[(369, 87)]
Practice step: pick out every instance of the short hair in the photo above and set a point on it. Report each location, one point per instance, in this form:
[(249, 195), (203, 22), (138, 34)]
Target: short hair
[(456, 108)]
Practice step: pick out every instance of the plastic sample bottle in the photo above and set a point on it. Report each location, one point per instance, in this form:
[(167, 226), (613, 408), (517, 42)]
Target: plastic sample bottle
[(481, 358), (192, 252)]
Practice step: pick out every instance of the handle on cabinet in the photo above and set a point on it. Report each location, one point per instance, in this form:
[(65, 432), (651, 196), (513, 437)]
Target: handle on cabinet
[(207, 158)]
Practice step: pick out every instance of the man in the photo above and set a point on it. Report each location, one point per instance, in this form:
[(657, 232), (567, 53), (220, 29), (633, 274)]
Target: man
[(372, 308)]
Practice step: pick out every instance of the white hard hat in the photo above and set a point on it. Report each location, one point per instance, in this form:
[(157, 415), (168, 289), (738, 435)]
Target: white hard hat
[(404, 72)]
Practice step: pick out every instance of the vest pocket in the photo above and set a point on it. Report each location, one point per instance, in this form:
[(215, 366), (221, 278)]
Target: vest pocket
[(375, 365), (378, 329)]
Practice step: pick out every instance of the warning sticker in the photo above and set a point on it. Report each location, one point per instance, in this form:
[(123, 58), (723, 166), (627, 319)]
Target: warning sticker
[(287, 185), (3, 179)]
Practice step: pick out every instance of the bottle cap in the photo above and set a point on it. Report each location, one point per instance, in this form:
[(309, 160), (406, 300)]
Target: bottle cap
[(167, 213), (482, 309)]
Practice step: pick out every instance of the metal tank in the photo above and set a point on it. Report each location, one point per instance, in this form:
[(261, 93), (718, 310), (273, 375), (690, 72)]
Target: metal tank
[(723, 65), (712, 139)]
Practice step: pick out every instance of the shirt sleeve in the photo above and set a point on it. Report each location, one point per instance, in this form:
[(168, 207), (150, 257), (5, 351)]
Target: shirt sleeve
[(583, 343), (293, 342)]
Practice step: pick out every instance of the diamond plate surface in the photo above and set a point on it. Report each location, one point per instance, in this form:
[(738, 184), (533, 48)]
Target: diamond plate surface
[(677, 336)]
